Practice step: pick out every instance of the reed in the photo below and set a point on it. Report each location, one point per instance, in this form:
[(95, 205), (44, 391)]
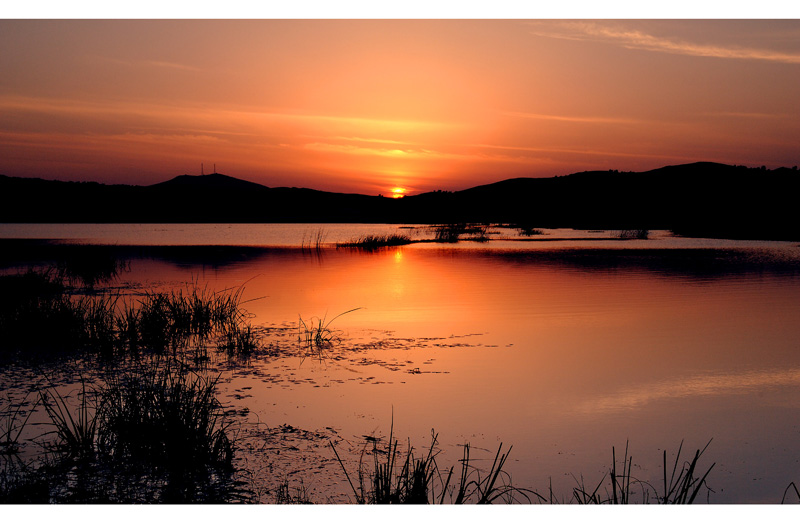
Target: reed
[(413, 480), (642, 233), (12, 423), (315, 336), (313, 241), (162, 424), (75, 433), (528, 231), (449, 233), (108, 324), (791, 486), (373, 242), (285, 494), (681, 486)]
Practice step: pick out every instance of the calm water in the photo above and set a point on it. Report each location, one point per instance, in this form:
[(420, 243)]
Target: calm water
[(558, 348)]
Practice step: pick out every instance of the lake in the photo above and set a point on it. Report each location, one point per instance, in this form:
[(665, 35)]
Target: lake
[(562, 345)]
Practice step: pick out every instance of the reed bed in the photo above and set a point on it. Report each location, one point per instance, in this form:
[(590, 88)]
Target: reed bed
[(680, 486), (396, 478), (641, 233), (529, 231), (110, 324), (13, 419), (453, 232), (153, 433), (374, 242)]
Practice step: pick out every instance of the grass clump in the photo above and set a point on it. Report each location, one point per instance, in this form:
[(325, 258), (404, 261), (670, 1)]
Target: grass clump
[(453, 232), (529, 231), (166, 423), (372, 242), (681, 486), (154, 434), (315, 336), (76, 433), (396, 478), (642, 233), (13, 419), (313, 241), (112, 324)]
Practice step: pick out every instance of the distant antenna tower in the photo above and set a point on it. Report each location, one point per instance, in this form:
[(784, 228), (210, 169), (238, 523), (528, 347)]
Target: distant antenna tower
[(215, 167), (201, 169)]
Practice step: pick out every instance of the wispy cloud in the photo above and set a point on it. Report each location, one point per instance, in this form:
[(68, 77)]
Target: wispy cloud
[(570, 118), (234, 116), (578, 151), (748, 115), (169, 65), (636, 39), (149, 63)]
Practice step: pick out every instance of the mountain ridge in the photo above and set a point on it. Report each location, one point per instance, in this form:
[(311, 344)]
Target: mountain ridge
[(710, 199)]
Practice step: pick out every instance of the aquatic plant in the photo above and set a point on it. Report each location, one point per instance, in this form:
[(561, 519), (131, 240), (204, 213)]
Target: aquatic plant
[(449, 233), (633, 234), (485, 489), (452, 232), (316, 336), (793, 487), (410, 485), (373, 242), (415, 480), (680, 487), (111, 323), (12, 424), (528, 231), (76, 433), (314, 240), (286, 494)]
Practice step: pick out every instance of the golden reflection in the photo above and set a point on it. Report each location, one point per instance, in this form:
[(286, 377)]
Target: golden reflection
[(694, 386)]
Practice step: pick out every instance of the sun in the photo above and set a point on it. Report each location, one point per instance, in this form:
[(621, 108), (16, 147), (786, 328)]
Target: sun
[(398, 192)]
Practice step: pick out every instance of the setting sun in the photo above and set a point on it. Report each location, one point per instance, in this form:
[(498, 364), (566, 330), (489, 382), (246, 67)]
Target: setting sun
[(398, 192)]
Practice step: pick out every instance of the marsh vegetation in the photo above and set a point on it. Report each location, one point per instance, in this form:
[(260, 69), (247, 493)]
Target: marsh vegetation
[(148, 359)]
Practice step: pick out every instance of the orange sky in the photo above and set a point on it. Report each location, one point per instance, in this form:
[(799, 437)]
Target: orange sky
[(367, 106)]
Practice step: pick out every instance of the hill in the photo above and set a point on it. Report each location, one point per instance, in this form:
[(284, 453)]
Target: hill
[(702, 199)]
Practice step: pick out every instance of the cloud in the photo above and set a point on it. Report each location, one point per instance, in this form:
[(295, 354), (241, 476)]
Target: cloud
[(635, 39), (170, 65), (149, 63), (569, 118)]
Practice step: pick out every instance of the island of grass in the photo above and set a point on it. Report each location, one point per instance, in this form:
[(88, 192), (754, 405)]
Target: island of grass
[(372, 242)]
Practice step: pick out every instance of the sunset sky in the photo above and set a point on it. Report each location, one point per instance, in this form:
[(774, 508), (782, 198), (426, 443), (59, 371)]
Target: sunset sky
[(366, 106)]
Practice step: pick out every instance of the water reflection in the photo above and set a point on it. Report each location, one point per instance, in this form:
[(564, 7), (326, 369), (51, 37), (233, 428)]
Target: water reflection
[(562, 353)]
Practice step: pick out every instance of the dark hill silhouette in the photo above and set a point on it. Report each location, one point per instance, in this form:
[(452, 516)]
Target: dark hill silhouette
[(214, 181), (700, 199)]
